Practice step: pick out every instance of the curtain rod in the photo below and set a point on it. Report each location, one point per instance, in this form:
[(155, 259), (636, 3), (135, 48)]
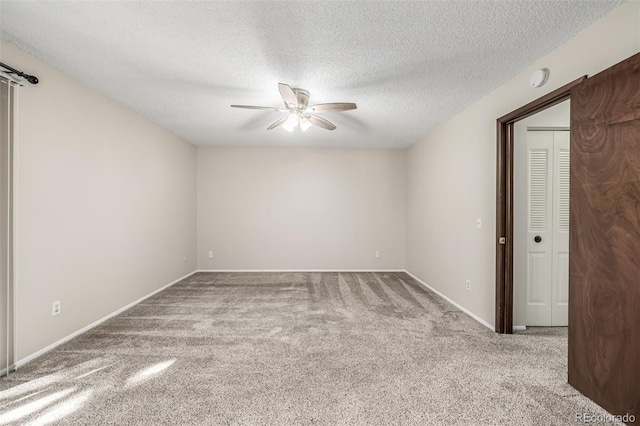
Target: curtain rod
[(30, 78)]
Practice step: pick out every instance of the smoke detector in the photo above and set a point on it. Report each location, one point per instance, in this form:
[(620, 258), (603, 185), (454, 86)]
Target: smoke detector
[(539, 78)]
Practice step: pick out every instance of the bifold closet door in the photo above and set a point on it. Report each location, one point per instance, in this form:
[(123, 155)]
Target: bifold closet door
[(547, 264)]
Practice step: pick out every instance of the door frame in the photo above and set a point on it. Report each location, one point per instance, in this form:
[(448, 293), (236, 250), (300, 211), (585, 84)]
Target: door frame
[(504, 200)]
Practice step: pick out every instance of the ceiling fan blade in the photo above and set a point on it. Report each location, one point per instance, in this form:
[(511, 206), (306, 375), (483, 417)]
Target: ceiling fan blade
[(288, 95), (332, 107), (258, 107), (278, 122), (320, 122)]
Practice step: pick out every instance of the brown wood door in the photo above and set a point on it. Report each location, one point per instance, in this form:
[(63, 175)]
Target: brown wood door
[(604, 242)]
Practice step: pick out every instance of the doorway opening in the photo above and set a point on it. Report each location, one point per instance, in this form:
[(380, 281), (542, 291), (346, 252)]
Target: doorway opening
[(541, 219), (504, 201)]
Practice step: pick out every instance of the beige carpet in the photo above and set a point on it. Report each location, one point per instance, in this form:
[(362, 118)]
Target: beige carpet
[(296, 349)]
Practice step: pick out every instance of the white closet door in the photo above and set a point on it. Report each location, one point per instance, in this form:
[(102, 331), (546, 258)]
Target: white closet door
[(560, 265), (539, 228), (547, 291)]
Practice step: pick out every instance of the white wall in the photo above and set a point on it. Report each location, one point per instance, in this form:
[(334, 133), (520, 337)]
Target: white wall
[(105, 208), (557, 116), (451, 172), (300, 208)]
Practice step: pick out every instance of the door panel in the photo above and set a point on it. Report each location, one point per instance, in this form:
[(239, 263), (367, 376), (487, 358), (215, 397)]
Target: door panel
[(604, 238), (540, 174), (537, 295), (560, 310), (560, 264)]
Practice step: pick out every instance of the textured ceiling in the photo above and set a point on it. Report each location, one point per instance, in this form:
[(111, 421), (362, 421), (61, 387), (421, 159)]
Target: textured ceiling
[(408, 65)]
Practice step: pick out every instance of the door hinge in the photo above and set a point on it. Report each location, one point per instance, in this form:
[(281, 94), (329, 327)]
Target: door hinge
[(502, 240)]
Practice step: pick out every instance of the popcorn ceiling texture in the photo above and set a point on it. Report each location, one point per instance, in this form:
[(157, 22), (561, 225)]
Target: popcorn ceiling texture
[(408, 65)]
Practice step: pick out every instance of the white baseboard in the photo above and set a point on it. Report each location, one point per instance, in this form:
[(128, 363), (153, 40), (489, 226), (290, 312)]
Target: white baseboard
[(519, 327), (300, 270), (463, 309), (34, 355)]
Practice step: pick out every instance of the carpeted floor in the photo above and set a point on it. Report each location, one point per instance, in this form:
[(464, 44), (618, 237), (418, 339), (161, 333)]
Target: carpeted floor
[(296, 349)]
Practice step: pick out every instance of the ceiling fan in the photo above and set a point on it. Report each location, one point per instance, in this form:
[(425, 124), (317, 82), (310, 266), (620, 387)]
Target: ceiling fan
[(299, 112)]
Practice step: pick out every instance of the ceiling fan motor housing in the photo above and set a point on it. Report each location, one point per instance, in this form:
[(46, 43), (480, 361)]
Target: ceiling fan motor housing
[(303, 98)]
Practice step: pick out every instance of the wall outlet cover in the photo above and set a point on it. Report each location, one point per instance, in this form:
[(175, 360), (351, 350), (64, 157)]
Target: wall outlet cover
[(55, 308)]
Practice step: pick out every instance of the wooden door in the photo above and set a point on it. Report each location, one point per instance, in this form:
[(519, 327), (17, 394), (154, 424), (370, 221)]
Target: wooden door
[(604, 268)]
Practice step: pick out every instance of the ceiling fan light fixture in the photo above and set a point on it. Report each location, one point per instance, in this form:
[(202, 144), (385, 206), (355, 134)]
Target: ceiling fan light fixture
[(304, 124), (288, 127), (293, 120)]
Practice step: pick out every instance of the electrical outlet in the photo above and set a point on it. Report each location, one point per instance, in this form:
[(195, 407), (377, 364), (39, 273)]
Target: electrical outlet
[(377, 253), (210, 254), (55, 308), (478, 223), (468, 285)]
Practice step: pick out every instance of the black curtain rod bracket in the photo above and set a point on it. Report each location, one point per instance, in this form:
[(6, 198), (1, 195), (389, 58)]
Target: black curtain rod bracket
[(30, 78)]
